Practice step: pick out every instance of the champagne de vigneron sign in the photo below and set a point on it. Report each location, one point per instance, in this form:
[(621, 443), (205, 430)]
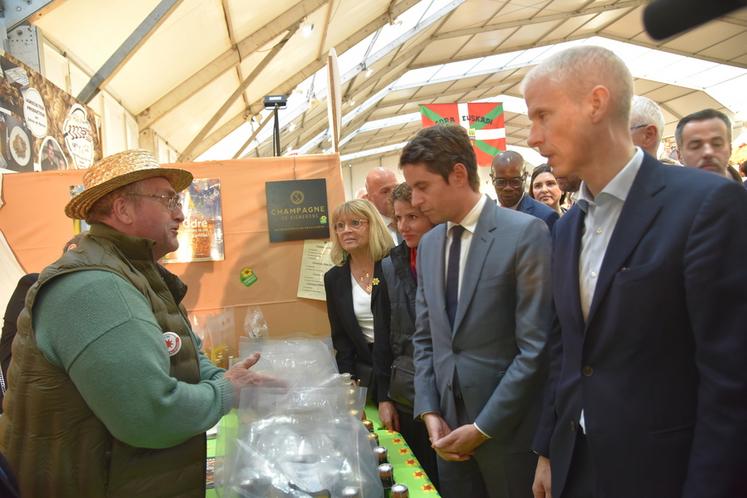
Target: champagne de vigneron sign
[(297, 210)]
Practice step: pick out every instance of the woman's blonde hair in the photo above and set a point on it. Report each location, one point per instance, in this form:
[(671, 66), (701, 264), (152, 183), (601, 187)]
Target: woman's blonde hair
[(379, 239)]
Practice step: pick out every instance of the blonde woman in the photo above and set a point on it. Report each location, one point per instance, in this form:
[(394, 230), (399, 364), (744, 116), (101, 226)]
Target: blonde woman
[(355, 287)]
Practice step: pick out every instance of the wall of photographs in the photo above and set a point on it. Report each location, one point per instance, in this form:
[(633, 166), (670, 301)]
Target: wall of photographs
[(42, 128)]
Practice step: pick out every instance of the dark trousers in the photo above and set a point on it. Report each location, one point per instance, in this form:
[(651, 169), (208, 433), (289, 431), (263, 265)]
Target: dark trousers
[(489, 473), (580, 482)]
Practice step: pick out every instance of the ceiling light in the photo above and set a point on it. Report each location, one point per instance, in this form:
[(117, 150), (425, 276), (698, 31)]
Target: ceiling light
[(307, 28)]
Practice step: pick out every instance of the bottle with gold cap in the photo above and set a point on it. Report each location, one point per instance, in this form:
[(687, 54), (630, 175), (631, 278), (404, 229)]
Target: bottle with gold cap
[(399, 491), (350, 492), (381, 454), (386, 474)]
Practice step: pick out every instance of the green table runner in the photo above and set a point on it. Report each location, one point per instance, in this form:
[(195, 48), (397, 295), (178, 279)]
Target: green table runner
[(407, 469)]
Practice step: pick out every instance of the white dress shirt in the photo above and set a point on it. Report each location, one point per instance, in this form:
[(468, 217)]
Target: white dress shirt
[(362, 310), (602, 213), (469, 222)]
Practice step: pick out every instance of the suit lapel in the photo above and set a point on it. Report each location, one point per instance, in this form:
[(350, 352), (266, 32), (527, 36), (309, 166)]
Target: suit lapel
[(346, 298), (567, 246), (639, 211), (378, 276), (436, 264), (525, 206), (482, 239)]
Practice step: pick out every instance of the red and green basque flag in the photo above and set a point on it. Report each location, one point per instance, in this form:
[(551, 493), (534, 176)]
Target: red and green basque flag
[(483, 121)]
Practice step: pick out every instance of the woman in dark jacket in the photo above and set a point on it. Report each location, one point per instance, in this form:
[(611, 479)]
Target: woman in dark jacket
[(353, 288), (393, 349)]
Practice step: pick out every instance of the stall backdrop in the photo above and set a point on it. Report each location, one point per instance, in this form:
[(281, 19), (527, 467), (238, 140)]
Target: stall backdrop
[(36, 229)]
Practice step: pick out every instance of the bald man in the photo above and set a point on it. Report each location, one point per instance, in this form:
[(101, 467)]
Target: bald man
[(508, 175), (647, 395), (379, 185)]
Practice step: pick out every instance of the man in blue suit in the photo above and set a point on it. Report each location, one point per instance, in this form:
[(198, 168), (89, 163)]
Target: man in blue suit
[(647, 396), (482, 318), (508, 175)]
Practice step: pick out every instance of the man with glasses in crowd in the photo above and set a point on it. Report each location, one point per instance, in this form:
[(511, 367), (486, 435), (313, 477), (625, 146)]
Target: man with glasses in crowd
[(508, 175), (109, 392)]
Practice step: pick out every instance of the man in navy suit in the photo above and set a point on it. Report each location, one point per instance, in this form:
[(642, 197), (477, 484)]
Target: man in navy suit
[(647, 394), (508, 175)]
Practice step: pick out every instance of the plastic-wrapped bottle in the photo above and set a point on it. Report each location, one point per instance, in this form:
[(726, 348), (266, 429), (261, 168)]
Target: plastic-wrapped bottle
[(255, 325)]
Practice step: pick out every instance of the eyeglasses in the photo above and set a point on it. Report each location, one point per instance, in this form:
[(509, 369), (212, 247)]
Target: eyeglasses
[(636, 127), (172, 202), (515, 182), (354, 225)]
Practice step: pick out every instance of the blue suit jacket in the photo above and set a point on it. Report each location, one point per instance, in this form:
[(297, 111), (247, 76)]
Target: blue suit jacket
[(535, 208), (659, 365), (497, 342)]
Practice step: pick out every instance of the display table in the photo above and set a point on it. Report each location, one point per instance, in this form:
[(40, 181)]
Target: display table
[(407, 469)]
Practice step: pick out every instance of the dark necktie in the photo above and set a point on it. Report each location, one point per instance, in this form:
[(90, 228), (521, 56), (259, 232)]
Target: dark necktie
[(452, 272)]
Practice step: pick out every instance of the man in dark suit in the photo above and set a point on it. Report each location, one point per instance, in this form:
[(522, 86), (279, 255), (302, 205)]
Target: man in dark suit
[(482, 318), (647, 394), (508, 175)]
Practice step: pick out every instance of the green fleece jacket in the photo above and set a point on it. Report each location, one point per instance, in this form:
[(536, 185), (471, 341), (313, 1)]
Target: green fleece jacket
[(136, 399)]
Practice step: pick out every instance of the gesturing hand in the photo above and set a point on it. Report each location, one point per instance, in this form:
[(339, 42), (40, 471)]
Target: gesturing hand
[(240, 376)]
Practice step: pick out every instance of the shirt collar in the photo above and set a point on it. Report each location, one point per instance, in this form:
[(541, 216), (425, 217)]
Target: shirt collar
[(469, 222), (618, 187)]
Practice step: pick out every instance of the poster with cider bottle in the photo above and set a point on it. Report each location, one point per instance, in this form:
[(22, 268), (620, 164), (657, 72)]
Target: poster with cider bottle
[(201, 234)]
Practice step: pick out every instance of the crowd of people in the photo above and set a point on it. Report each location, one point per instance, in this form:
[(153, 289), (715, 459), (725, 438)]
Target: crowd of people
[(582, 336), (579, 337)]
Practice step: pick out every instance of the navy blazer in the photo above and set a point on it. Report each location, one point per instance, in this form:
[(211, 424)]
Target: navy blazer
[(659, 365), (538, 209)]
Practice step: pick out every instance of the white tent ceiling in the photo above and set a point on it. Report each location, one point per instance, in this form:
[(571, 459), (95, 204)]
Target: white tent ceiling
[(393, 55)]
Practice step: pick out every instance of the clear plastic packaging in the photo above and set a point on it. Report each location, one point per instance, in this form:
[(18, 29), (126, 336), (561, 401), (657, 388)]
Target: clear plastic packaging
[(300, 362), (255, 325), (304, 440)]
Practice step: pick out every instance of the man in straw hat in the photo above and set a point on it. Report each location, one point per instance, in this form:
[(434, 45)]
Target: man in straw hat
[(109, 393)]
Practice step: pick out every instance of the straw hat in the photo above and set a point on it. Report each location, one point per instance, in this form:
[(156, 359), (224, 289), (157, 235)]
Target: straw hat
[(118, 170)]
